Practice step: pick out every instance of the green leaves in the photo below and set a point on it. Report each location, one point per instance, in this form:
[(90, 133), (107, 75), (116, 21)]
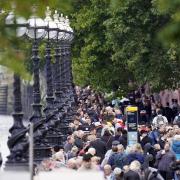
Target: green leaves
[(117, 43)]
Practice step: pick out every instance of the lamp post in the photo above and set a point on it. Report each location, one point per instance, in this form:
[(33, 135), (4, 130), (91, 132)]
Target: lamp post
[(17, 141), (57, 79), (51, 34), (53, 135), (36, 31), (62, 43), (68, 84), (56, 64)]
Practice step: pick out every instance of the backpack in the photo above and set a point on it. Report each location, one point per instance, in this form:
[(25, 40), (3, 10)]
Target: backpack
[(177, 120), (152, 174), (160, 120), (119, 160)]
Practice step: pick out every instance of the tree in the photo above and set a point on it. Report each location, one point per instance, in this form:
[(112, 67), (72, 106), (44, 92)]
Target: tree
[(132, 31), (92, 64), (170, 34), (116, 42)]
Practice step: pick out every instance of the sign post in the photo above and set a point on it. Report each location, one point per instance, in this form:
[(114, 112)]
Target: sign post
[(132, 124)]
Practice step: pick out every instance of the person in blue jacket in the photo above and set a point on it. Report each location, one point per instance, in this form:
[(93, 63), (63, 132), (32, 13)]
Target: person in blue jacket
[(175, 146)]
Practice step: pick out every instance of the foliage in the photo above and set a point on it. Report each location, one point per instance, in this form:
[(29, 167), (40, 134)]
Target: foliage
[(132, 33), (15, 52), (170, 34), (116, 42), (91, 55)]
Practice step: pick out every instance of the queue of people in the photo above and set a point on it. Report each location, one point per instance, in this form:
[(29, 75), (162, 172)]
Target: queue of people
[(98, 141)]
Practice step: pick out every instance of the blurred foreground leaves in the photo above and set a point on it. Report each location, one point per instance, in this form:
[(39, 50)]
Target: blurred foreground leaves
[(15, 52)]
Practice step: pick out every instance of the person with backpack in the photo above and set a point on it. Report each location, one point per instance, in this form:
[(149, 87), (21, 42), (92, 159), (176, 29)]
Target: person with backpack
[(159, 120), (116, 159), (177, 120), (152, 174)]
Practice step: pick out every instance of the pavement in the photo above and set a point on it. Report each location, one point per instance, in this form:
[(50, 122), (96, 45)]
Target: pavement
[(5, 123)]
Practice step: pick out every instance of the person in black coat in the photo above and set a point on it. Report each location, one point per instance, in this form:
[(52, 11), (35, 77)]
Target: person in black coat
[(100, 147), (123, 138), (150, 155), (145, 138), (131, 175), (168, 112), (107, 138)]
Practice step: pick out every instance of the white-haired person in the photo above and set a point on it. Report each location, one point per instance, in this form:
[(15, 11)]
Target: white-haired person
[(108, 173), (59, 159), (134, 172), (118, 173)]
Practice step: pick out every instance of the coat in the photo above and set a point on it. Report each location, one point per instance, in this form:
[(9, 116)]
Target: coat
[(164, 160), (131, 175), (146, 140), (108, 141), (100, 147), (132, 157), (176, 149)]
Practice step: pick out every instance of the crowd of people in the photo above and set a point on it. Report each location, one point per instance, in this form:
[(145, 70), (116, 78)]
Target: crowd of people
[(98, 139)]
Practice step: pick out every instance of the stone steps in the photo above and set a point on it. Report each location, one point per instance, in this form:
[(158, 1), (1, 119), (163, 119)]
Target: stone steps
[(3, 99)]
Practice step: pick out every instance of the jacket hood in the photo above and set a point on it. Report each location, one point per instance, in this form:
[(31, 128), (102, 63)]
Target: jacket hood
[(147, 147), (136, 156)]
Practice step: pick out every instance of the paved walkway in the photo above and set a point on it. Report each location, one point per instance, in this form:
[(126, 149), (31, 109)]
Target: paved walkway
[(5, 123)]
